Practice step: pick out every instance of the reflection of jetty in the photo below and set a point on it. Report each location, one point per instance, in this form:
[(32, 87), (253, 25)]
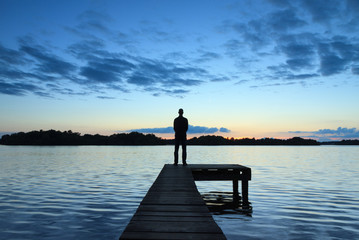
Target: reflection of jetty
[(173, 207)]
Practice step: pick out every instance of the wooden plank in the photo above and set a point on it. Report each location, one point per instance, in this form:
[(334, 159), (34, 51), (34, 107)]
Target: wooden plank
[(173, 214), (205, 218), (173, 201), (173, 227), (173, 208), (169, 194), (173, 236)]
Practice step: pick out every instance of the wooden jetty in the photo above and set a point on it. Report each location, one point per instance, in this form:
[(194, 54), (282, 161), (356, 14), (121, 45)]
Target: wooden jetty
[(174, 209)]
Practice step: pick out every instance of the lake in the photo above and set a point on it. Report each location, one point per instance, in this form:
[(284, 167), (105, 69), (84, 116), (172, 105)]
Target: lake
[(91, 192)]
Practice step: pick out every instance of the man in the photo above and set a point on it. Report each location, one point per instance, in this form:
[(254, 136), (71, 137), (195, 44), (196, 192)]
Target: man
[(180, 125)]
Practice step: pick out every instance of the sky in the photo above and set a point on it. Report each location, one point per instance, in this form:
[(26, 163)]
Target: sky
[(256, 68)]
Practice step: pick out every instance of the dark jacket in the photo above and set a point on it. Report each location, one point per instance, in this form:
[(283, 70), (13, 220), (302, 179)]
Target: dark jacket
[(180, 125)]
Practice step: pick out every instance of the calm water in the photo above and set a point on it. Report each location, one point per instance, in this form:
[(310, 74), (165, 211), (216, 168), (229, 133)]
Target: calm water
[(91, 192)]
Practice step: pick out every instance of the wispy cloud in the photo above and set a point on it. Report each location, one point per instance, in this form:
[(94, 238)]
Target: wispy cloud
[(291, 40), (330, 134), (90, 68), (99, 70), (191, 130), (289, 35), (45, 62), (19, 89)]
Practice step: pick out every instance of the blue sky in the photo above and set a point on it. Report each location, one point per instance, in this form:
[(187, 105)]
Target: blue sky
[(271, 68)]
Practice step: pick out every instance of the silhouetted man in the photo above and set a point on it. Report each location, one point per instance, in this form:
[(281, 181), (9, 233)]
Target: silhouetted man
[(180, 125)]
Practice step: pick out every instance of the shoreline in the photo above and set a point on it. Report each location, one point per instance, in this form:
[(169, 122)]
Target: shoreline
[(69, 138)]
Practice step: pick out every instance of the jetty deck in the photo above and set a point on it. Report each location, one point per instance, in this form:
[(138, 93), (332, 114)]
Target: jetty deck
[(174, 209)]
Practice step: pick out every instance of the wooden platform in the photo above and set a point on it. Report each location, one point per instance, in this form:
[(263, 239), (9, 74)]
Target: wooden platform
[(173, 207), (224, 172)]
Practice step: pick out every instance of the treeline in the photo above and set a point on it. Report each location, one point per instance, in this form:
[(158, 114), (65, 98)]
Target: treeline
[(342, 142), (218, 140), (52, 137)]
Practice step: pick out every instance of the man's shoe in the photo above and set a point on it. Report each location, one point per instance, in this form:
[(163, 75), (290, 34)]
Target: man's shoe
[(175, 164), (184, 164)]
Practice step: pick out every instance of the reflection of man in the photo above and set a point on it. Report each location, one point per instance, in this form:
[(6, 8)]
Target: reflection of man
[(180, 125)]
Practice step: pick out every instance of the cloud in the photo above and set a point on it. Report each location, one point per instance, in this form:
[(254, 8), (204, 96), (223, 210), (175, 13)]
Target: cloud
[(323, 11), (300, 40), (93, 20), (254, 33), (91, 24), (164, 77), (152, 130), (105, 70), (157, 32), (201, 130), (20, 89), (206, 56), (191, 130), (240, 82), (299, 50), (105, 97), (159, 77), (46, 63), (301, 76), (31, 68), (280, 3), (278, 44), (88, 50), (224, 130), (274, 84), (331, 134), (344, 132), (334, 55), (9, 56), (285, 20), (330, 61), (96, 70), (260, 32)]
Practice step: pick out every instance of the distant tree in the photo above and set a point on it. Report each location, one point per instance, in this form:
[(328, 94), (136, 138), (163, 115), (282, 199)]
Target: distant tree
[(53, 137)]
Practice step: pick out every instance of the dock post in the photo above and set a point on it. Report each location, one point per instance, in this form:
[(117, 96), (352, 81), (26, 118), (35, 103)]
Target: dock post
[(245, 192), (235, 193)]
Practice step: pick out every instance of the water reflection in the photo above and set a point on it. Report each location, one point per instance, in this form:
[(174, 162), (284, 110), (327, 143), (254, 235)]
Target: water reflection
[(92, 192), (220, 203)]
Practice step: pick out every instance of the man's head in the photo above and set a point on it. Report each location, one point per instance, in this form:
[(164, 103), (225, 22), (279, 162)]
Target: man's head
[(180, 111)]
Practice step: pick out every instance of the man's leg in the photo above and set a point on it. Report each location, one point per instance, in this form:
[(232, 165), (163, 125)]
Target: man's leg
[(176, 151), (184, 151)]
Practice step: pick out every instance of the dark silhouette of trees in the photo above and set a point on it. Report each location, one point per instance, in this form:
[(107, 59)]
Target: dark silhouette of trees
[(218, 140), (349, 142), (52, 137), (343, 142), (208, 140)]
